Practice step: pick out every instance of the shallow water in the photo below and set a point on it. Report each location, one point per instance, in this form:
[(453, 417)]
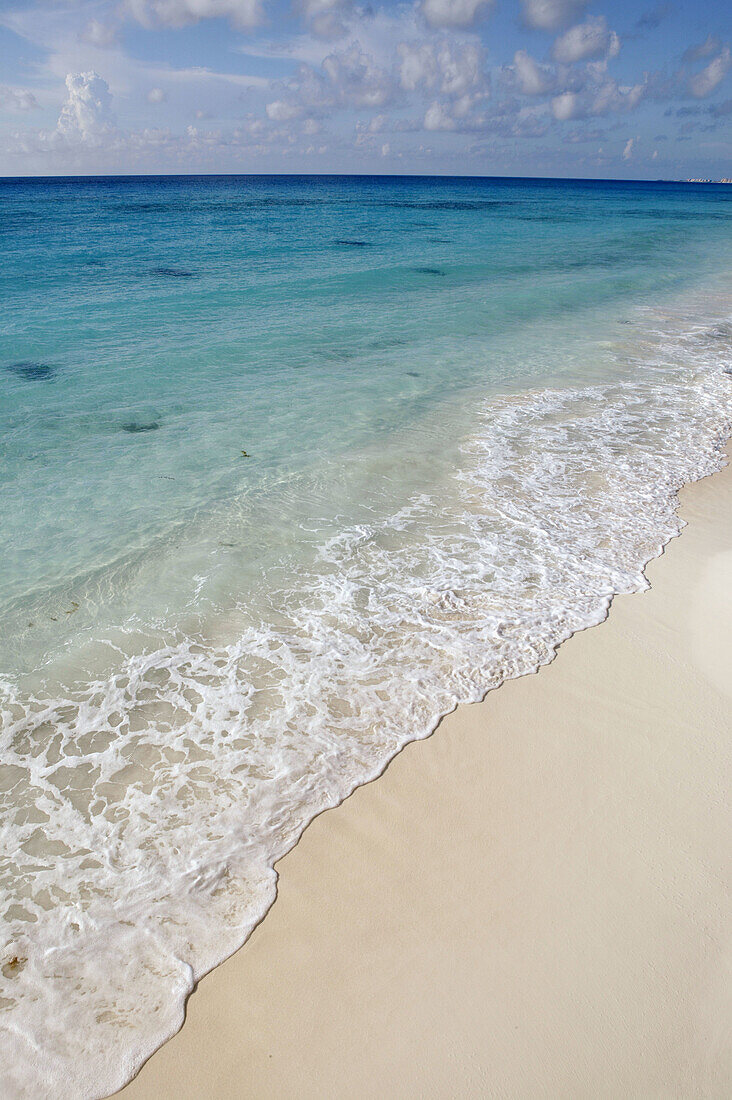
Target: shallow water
[(291, 467)]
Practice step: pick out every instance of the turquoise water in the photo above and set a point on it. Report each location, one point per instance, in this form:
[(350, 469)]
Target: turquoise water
[(290, 466)]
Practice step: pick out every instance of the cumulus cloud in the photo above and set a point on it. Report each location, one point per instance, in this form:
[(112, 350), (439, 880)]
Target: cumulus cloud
[(509, 121), (704, 49), (532, 78), (593, 38), (451, 67), (628, 150), (346, 78), (552, 15), (280, 110), (17, 99), (86, 116), (607, 96), (454, 13), (99, 34), (156, 95), (181, 13), (325, 17), (566, 106), (703, 83), (438, 117), (356, 79), (599, 95)]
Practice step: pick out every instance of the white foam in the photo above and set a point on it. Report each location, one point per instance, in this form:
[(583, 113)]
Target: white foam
[(144, 811)]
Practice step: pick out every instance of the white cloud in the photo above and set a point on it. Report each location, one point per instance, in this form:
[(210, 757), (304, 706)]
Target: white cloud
[(454, 13), (593, 38), (279, 110), (325, 17), (86, 116), (99, 34), (607, 96), (533, 78), (452, 67), (181, 13), (552, 15), (709, 46), (356, 79), (628, 150), (595, 94), (17, 99), (385, 149), (348, 78), (418, 67), (566, 106), (461, 68), (704, 82), (156, 95), (437, 117)]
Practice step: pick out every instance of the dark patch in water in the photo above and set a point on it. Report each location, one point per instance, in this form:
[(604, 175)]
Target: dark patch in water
[(413, 373), (446, 204), (554, 217), (352, 244), (174, 273), (134, 427), (177, 206), (388, 342), (429, 271), (337, 355), (722, 331), (32, 372)]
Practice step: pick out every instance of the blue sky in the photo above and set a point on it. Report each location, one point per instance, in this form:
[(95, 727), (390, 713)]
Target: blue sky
[(475, 87)]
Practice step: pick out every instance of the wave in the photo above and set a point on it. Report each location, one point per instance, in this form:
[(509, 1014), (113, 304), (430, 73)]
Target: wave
[(145, 809)]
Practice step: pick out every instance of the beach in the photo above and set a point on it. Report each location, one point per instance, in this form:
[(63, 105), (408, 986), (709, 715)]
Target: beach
[(532, 902), (396, 442), (363, 717)]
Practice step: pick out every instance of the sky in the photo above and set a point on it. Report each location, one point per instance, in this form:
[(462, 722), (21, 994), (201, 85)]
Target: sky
[(619, 89)]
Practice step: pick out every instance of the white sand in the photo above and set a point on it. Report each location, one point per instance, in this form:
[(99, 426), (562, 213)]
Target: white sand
[(532, 903)]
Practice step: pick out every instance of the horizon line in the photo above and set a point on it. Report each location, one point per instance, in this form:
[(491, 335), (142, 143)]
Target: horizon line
[(352, 175)]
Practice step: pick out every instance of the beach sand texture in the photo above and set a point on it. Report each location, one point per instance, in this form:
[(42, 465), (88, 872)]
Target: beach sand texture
[(531, 903)]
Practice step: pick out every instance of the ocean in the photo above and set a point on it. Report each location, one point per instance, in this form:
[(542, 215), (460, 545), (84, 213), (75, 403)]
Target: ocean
[(291, 466)]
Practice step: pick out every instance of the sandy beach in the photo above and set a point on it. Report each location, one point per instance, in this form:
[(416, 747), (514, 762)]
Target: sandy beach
[(530, 903)]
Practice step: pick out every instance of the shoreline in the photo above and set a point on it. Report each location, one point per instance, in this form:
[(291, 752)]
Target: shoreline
[(578, 956)]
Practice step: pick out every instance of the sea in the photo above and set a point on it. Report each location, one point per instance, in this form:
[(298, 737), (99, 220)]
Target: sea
[(289, 468)]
